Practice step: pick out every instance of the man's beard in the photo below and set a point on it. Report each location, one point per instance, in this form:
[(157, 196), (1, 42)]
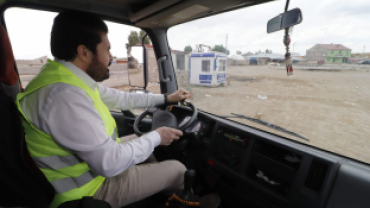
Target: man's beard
[(97, 70)]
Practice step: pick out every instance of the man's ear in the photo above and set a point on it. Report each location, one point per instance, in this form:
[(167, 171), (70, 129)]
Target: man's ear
[(84, 54)]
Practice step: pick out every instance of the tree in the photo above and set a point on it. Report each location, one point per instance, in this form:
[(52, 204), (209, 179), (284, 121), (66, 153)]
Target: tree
[(134, 38), (268, 51), (220, 48), (188, 48), (147, 39), (238, 52)]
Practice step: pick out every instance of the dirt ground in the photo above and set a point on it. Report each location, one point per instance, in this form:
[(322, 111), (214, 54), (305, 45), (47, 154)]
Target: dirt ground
[(329, 107), (120, 79)]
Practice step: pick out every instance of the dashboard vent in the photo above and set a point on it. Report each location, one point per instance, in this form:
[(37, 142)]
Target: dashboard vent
[(316, 175)]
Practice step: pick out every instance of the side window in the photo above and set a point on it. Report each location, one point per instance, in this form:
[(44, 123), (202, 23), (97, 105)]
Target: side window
[(32, 51), (222, 65), (206, 66)]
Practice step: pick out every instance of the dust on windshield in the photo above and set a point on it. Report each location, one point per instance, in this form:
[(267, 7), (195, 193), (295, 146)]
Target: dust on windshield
[(232, 65)]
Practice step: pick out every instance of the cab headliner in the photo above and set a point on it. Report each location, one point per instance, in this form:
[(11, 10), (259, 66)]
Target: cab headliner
[(141, 13)]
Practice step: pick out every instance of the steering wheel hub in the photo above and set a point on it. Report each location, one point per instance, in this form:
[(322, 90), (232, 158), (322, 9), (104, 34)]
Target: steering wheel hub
[(164, 118)]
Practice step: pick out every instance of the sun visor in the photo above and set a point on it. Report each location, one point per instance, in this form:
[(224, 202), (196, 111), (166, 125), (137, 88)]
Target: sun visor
[(149, 10), (182, 15)]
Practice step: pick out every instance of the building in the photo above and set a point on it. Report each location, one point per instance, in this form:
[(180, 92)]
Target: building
[(235, 59), (363, 55), (247, 54), (264, 58), (120, 60), (357, 57), (180, 59), (329, 53), (208, 68)]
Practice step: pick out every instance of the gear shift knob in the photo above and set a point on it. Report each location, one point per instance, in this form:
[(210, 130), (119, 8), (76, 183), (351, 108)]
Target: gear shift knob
[(189, 179)]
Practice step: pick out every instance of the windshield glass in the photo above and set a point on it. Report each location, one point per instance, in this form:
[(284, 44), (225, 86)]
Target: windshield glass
[(232, 65)]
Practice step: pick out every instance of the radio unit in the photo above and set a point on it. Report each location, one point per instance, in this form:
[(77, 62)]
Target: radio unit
[(232, 137)]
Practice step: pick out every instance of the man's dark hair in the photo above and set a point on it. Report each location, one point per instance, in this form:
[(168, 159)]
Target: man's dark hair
[(74, 28)]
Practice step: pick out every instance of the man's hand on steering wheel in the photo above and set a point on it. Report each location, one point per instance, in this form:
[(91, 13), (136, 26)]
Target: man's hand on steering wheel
[(165, 118), (168, 135), (178, 96)]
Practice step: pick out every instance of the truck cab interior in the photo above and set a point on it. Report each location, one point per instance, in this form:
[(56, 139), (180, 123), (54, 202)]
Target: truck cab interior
[(245, 165)]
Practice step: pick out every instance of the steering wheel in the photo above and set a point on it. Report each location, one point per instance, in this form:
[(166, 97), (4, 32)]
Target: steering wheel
[(165, 118)]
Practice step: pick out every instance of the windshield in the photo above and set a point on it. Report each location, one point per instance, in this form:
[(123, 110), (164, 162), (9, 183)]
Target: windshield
[(232, 65)]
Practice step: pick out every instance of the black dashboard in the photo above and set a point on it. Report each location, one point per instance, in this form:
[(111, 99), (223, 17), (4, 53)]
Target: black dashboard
[(258, 169)]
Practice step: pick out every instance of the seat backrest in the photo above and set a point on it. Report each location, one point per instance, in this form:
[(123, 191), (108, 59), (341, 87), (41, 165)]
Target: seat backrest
[(20, 185), (21, 182)]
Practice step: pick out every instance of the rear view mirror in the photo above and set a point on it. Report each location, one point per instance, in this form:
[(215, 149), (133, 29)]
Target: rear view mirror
[(284, 20), (135, 66)]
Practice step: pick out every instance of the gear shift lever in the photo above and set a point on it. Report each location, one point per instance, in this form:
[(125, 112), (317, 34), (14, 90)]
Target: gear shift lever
[(189, 179), (185, 198)]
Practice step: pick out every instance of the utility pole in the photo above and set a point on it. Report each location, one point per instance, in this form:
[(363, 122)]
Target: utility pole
[(226, 42), (363, 52)]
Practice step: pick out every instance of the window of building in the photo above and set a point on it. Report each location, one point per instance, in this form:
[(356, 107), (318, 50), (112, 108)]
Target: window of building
[(222, 66), (206, 66)]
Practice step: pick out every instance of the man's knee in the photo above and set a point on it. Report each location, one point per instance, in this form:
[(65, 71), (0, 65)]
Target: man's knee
[(177, 171), (178, 166)]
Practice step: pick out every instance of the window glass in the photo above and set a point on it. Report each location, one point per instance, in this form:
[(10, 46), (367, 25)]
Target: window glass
[(222, 66), (32, 51), (326, 100), (206, 66)]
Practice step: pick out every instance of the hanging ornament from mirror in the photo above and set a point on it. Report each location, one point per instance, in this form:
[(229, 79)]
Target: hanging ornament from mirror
[(288, 58)]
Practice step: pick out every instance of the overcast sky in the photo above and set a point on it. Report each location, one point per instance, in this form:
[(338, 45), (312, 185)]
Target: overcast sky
[(324, 21)]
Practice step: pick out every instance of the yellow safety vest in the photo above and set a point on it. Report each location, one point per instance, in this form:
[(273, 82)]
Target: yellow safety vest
[(70, 176)]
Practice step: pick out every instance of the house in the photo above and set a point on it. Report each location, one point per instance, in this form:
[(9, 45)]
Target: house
[(329, 53)]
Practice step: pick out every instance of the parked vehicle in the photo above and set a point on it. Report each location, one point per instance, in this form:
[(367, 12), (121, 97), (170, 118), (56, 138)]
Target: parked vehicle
[(364, 62)]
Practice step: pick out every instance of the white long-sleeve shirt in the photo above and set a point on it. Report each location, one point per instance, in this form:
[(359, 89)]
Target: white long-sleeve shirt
[(67, 114)]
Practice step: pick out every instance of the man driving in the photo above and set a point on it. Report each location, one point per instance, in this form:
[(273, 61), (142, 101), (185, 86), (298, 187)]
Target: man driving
[(70, 132)]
